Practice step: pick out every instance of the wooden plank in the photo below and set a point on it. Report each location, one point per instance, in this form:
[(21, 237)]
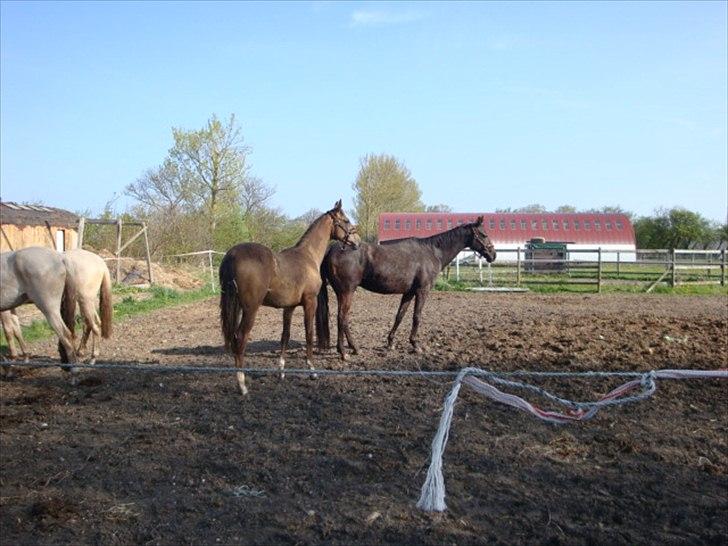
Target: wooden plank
[(7, 239)]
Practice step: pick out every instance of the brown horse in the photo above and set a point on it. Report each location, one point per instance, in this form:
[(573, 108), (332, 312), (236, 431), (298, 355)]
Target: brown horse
[(252, 275), (404, 266)]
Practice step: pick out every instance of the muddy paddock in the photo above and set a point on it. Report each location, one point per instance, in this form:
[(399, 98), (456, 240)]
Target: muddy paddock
[(161, 458)]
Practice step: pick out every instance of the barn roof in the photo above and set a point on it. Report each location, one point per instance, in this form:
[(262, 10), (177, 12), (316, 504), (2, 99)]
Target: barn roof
[(35, 215), (515, 227)]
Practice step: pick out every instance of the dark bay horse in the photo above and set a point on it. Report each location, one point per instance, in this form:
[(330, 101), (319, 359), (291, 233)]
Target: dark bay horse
[(252, 275), (404, 266)]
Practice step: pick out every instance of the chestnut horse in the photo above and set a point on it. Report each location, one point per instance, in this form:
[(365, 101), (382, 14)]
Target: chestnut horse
[(252, 275), (403, 266)]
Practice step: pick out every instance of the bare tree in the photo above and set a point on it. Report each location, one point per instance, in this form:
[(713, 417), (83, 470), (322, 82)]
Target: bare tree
[(254, 194), (161, 188), (438, 208)]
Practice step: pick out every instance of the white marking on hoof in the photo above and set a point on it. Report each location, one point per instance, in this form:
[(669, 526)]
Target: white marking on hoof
[(281, 365), (310, 367), (241, 383), (92, 361)]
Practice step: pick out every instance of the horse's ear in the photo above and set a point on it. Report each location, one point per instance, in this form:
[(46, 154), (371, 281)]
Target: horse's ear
[(337, 206), (479, 221)]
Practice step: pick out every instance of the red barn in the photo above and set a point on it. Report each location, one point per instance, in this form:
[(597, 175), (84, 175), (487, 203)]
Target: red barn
[(511, 230)]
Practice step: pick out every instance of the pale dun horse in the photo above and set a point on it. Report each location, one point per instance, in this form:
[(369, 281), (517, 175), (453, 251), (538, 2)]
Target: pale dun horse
[(91, 281), (252, 275), (44, 277)]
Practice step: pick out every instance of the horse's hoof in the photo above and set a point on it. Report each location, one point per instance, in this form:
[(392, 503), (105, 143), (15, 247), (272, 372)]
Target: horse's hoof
[(344, 357), (282, 375), (92, 361), (313, 376)]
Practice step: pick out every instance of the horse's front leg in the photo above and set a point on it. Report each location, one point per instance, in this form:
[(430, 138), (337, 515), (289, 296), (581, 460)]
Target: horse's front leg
[(420, 298), (285, 336), (309, 315), (403, 305)]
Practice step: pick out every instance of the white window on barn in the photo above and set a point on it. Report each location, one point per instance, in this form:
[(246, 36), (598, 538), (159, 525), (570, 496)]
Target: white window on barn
[(418, 224), (61, 240), (396, 224), (386, 225), (491, 223), (408, 225)]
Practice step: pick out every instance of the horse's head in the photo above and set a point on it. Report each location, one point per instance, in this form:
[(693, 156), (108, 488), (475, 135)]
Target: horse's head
[(480, 242), (342, 229)]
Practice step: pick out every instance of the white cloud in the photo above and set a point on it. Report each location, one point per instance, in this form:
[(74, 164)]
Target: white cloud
[(380, 18)]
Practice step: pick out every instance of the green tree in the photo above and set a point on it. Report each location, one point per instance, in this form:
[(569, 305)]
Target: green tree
[(567, 209), (383, 184), (673, 228), (212, 165)]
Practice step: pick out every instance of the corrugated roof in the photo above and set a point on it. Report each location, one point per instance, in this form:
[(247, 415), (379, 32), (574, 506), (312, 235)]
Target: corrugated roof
[(35, 215)]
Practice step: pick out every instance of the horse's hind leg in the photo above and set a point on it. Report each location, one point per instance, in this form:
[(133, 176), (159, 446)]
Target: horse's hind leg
[(92, 329), (285, 336), (246, 325), (344, 307), (420, 299), (403, 305)]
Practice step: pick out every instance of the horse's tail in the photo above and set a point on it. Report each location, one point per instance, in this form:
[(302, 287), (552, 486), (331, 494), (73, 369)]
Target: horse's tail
[(229, 303), (323, 334), (105, 304), (68, 310)]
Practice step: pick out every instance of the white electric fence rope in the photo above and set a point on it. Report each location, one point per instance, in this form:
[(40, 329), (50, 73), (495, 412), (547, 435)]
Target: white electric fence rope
[(432, 496)]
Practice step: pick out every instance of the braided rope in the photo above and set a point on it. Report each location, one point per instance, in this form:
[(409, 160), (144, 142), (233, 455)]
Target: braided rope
[(432, 497)]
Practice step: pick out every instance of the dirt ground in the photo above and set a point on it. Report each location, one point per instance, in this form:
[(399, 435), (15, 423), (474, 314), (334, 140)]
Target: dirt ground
[(154, 458)]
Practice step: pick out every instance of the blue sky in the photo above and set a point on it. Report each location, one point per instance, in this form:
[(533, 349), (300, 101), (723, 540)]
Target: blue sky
[(490, 105)]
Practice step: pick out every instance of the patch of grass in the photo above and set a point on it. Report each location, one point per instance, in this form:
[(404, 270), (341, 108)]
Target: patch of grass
[(159, 297)]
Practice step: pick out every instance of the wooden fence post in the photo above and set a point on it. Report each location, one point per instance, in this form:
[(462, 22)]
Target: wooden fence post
[(673, 280), (149, 258), (212, 273), (618, 253), (81, 229), (599, 271), (118, 250), (457, 267), (722, 267), (518, 266)]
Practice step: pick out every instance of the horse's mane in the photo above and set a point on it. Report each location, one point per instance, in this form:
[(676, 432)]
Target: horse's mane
[(311, 227)]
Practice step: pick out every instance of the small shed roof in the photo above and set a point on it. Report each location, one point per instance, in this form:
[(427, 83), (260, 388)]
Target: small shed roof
[(35, 215)]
